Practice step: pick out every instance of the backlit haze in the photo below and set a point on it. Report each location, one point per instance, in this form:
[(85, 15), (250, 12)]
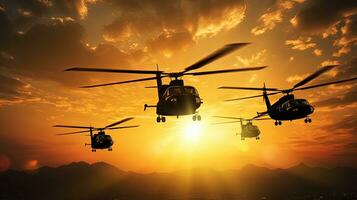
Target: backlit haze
[(41, 38)]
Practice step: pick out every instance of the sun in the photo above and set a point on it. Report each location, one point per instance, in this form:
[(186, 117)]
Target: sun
[(192, 132)]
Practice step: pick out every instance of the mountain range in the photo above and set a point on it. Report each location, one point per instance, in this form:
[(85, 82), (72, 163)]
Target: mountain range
[(81, 180)]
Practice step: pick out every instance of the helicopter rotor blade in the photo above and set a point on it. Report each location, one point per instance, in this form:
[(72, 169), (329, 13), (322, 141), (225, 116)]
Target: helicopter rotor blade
[(260, 114), (119, 122), (68, 126), (129, 71), (225, 71), (251, 97), (225, 117), (70, 133), (121, 127), (121, 82), (226, 122), (248, 88), (314, 75), (328, 83), (259, 119), (228, 48)]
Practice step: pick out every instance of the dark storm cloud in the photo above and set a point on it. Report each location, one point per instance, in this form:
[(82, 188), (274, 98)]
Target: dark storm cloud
[(319, 15), (171, 23)]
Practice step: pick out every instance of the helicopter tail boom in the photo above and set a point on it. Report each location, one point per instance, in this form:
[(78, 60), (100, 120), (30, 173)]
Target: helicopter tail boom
[(266, 98), (149, 106)]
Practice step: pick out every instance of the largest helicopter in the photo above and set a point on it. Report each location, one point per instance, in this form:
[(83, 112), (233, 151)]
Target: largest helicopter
[(175, 98), (287, 108)]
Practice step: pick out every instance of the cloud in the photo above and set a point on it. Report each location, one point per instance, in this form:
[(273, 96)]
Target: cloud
[(348, 37), (76, 9), (348, 70), (302, 43), (7, 31), (317, 52), (317, 16), (273, 16), (296, 78), (11, 89), (348, 98), (171, 24), (256, 59), (348, 123), (48, 48)]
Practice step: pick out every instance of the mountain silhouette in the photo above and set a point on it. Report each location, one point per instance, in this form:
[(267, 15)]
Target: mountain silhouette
[(81, 180)]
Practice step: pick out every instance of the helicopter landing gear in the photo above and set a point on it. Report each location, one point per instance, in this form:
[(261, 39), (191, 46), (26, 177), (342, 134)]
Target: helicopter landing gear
[(307, 120), (257, 138), (93, 150), (242, 138), (196, 117), (160, 119), (110, 149), (278, 123)]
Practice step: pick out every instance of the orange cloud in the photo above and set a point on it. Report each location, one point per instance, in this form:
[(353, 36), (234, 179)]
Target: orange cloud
[(272, 17), (302, 43)]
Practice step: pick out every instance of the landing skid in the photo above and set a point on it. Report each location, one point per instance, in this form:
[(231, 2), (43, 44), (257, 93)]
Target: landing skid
[(196, 117), (307, 120), (278, 123), (160, 119)]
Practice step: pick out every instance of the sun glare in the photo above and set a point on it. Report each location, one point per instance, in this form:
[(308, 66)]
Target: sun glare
[(192, 132)]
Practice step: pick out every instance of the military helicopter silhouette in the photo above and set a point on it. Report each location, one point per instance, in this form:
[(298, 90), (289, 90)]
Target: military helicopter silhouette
[(248, 130), (287, 107), (175, 98), (98, 140)]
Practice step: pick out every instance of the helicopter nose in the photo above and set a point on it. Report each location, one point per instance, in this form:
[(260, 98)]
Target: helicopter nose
[(312, 109)]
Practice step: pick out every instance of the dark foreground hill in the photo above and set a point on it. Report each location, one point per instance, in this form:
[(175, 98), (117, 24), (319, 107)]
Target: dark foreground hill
[(103, 181)]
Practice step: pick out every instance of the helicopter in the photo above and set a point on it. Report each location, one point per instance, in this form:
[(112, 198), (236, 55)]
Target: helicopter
[(99, 140), (287, 108), (175, 98), (248, 130)]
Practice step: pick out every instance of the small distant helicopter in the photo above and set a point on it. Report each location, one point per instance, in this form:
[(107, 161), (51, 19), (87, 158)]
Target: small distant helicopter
[(248, 130), (175, 98), (287, 107), (98, 140)]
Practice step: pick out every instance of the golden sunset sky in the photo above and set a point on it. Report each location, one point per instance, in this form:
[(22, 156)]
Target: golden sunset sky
[(41, 38)]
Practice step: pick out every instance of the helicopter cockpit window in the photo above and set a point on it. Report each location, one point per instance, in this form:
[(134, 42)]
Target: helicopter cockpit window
[(299, 102), (173, 91), (190, 90), (303, 102)]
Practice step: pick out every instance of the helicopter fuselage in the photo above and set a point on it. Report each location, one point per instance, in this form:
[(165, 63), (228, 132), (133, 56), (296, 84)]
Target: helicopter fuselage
[(178, 100), (101, 141), (250, 131), (289, 108)]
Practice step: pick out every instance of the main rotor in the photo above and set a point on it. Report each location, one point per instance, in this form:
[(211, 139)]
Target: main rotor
[(90, 128), (175, 75), (297, 86)]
